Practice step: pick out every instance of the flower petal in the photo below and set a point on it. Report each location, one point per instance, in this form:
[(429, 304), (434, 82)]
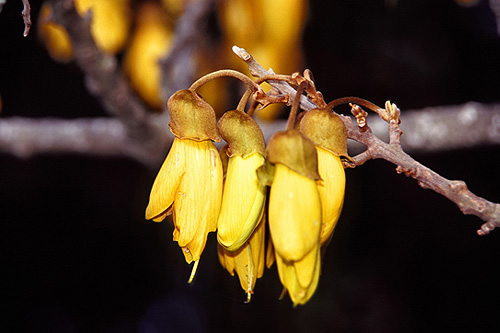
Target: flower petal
[(331, 190), (167, 181), (305, 268), (294, 214), (198, 198), (248, 261), (242, 202), (289, 278)]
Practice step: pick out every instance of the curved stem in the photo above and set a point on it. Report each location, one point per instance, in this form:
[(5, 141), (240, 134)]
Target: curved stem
[(244, 100), (295, 106), (225, 73), (252, 108), (363, 102)]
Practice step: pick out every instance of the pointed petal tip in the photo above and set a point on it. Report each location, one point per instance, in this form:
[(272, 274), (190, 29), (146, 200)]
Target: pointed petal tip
[(193, 271)]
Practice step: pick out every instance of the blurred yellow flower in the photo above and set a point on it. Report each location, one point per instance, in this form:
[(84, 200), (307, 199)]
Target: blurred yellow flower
[(110, 22), (54, 36), (151, 41)]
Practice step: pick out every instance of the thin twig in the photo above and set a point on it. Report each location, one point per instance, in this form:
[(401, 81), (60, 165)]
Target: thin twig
[(282, 87), (26, 17), (454, 190)]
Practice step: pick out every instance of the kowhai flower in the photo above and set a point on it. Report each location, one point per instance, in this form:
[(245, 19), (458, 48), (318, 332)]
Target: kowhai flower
[(189, 183), (295, 213), (244, 196), (241, 229), (328, 132)]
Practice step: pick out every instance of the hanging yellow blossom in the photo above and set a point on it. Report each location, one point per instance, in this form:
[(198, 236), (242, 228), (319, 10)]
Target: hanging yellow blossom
[(295, 213), (241, 225), (244, 196), (329, 134), (189, 183)]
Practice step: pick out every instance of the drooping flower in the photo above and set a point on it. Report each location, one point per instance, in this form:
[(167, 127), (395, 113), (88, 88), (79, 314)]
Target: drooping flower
[(189, 183), (328, 132), (244, 196), (295, 213), (241, 225)]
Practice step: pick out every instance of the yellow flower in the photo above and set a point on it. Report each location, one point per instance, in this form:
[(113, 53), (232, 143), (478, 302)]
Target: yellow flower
[(328, 132), (294, 224), (248, 261), (110, 22), (189, 183), (244, 196), (331, 190), (241, 225), (300, 287), (274, 39), (150, 42), (295, 213), (54, 36)]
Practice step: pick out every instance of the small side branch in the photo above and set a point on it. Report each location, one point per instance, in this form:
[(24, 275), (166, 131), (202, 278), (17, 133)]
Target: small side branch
[(282, 87)]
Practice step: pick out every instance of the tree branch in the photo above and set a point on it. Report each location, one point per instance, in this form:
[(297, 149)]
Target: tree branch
[(454, 190), (26, 137)]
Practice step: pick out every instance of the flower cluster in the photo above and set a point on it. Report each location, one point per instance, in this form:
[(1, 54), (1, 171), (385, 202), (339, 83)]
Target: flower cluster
[(294, 185)]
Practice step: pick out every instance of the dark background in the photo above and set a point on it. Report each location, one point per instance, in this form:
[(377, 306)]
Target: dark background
[(77, 255)]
